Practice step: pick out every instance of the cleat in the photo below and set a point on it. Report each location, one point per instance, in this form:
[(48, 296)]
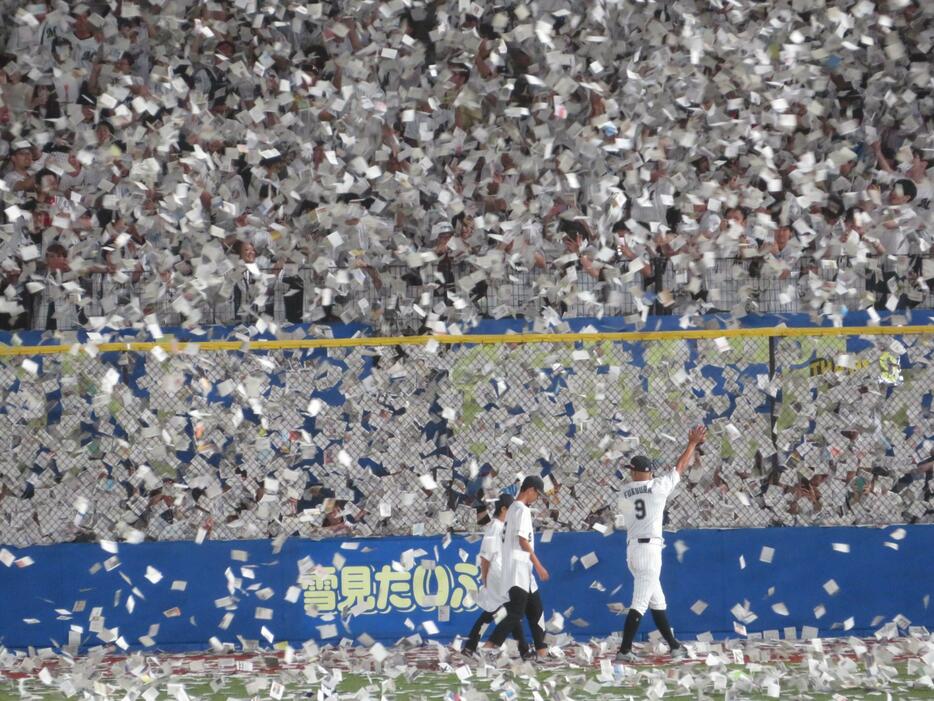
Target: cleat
[(679, 653), (488, 656), (627, 658)]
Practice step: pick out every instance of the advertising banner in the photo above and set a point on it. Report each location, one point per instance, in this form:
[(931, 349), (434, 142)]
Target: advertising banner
[(176, 596)]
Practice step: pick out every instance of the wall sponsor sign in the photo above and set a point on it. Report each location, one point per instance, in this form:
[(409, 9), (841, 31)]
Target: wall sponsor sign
[(180, 595)]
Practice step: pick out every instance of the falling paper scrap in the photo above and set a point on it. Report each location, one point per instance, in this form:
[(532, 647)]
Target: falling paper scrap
[(589, 560)]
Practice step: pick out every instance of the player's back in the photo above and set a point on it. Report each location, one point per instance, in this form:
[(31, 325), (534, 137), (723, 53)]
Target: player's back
[(642, 505), (491, 596), (517, 566), (492, 545)]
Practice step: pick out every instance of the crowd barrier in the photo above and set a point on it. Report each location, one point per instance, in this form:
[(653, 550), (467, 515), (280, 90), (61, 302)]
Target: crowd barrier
[(396, 300), (413, 436), (793, 582)]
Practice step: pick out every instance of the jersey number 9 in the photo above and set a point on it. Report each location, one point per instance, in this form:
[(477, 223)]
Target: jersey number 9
[(640, 509)]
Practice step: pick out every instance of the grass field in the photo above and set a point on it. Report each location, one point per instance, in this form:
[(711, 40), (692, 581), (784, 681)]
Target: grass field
[(835, 670)]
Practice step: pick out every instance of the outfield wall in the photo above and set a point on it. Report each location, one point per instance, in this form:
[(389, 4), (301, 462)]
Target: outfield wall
[(80, 593)]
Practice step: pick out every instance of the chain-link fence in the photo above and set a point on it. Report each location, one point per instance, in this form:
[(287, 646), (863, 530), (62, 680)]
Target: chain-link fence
[(417, 437), (399, 299)]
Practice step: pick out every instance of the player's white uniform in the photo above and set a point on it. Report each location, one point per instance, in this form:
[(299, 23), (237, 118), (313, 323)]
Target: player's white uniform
[(491, 596), (517, 565), (643, 507)]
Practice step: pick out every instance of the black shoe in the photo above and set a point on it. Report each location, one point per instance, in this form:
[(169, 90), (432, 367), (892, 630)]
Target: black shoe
[(529, 655)]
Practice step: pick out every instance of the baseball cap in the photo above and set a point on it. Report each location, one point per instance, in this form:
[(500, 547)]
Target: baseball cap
[(21, 145), (642, 464), (503, 502), (533, 481)]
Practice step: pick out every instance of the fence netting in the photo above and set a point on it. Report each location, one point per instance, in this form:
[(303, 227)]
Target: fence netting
[(401, 439)]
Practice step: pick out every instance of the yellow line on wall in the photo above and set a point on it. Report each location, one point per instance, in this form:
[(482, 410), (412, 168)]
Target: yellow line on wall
[(177, 346)]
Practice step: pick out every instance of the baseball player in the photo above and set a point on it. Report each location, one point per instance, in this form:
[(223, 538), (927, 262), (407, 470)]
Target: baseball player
[(642, 502), (491, 595), (519, 559)]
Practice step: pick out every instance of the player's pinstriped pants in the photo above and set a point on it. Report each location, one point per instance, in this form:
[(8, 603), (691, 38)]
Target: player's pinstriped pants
[(645, 563)]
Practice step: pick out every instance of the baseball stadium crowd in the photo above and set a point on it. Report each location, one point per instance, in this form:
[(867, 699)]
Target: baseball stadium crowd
[(204, 162), (428, 163)]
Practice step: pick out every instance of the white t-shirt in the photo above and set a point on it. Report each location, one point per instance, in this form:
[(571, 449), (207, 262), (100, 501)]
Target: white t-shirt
[(85, 51), (492, 596), (67, 84), (13, 177), (894, 241), (643, 505), (517, 565)]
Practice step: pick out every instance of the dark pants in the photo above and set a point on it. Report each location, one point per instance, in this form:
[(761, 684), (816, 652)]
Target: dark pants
[(473, 639), (521, 602)]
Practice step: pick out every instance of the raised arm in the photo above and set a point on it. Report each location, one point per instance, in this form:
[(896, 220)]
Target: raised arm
[(696, 436)]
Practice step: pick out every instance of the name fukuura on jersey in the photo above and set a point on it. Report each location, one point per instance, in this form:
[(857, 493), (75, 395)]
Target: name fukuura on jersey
[(645, 489)]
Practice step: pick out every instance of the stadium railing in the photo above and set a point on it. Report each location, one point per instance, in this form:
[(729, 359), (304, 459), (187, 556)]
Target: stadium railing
[(404, 297)]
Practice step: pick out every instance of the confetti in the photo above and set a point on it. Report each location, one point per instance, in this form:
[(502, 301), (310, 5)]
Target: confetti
[(383, 185), (327, 631)]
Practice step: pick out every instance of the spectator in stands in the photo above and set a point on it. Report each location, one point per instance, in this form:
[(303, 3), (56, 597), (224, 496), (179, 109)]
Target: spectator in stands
[(20, 176), (894, 245), (470, 116), (13, 315), (56, 301), (49, 208), (248, 291)]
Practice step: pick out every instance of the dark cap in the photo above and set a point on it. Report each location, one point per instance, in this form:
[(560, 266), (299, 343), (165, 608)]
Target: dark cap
[(642, 464), (504, 502), (533, 481)]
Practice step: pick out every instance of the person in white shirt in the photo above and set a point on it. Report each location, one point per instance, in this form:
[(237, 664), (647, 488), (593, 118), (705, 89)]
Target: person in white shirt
[(518, 560), (491, 596), (642, 503), (85, 40), (20, 176), (893, 246)]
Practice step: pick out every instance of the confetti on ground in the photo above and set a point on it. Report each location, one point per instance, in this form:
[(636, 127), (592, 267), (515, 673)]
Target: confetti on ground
[(851, 667)]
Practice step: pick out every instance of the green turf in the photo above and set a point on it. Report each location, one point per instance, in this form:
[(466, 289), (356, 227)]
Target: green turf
[(550, 684)]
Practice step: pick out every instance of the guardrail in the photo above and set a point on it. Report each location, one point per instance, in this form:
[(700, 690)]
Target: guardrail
[(400, 299)]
